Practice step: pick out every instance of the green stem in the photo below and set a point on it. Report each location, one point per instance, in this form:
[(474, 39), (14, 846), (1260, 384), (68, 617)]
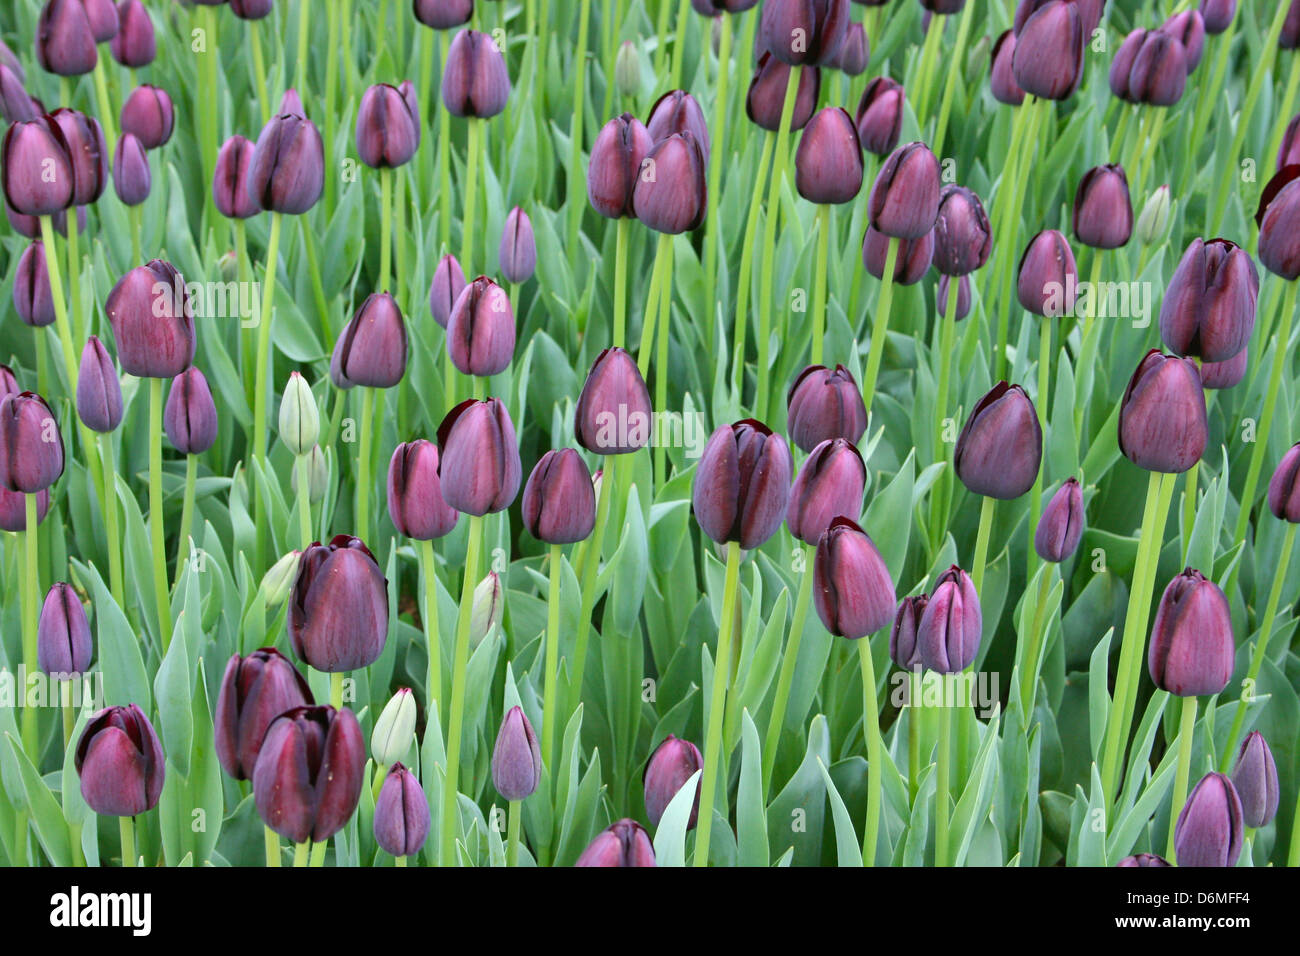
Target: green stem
[(187, 516), (300, 851), (576, 201), (450, 785), (207, 115), (512, 834), (363, 464), (621, 231), (110, 516), (711, 237), (259, 72), (1186, 729), (551, 678), (871, 728), (272, 842), (590, 566), (880, 325), (303, 465), (336, 690), (61, 323), (741, 322), (955, 58), (1189, 505), (106, 112), (948, 330), (789, 661), (1003, 251), (301, 61), (982, 543), (432, 632), (385, 227), (127, 831), (663, 334), (313, 273), (469, 213), (679, 44), (444, 154), (663, 252), (74, 280), (942, 772), (914, 714), (1040, 406), (31, 596), (260, 376), (1037, 641), (1089, 341), (819, 282), (1205, 105), (156, 514), (929, 52)]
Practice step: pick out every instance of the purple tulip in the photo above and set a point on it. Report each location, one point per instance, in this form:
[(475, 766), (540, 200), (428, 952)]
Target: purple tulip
[(63, 645), (99, 391), (802, 32), (911, 263), (742, 484), (1192, 651), (13, 508), (1002, 77), (475, 81), (372, 348), (855, 51), (445, 289), (37, 168), (1255, 777), (559, 503), (415, 502), (287, 171), (443, 14), (1208, 831), (153, 325), (672, 764), (613, 415), (879, 116), (1278, 219), (338, 611), (518, 250), (852, 589), (1149, 67), (1048, 279), (1209, 308), (903, 649), (148, 114), (948, 635), (516, 758), (65, 41), (625, 843), (1000, 448), (402, 817), (120, 762), (32, 295), (480, 468), (963, 296), (1162, 418), (481, 331), (962, 236), (16, 104), (766, 95), (1061, 525), (829, 485), (615, 165), (134, 45), (251, 9), (388, 131), (670, 195), (828, 162), (1103, 213), (678, 112), (190, 416), (230, 180), (8, 382), (1218, 14), (1224, 374), (822, 404), (254, 691), (1049, 53), (1143, 859), (132, 179), (31, 448), (1188, 27), (904, 199)]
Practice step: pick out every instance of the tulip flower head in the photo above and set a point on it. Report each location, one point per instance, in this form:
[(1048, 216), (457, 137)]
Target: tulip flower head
[(1209, 827), (766, 95), (254, 691), (1255, 777), (559, 503), (615, 165), (475, 81), (444, 290), (338, 611), (120, 762), (672, 764), (99, 391), (904, 200), (852, 589), (948, 634), (153, 322), (829, 485), (402, 817), (828, 162), (63, 644), (480, 469), (31, 447), (516, 758), (613, 415), (624, 843), (388, 130), (415, 502), (1192, 650), (1162, 418), (1000, 449), (1061, 525), (1278, 219), (742, 484), (372, 348), (190, 415), (825, 403), (481, 330)]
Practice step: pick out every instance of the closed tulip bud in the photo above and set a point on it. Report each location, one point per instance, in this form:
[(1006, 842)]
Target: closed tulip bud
[(904, 200), (1208, 831), (279, 579), (318, 475), (829, 485), (822, 404), (1061, 525), (615, 165), (488, 609), (1192, 649), (415, 502), (879, 115), (559, 503), (31, 448), (1188, 28), (8, 382), (963, 296), (299, 417), (1103, 214), (670, 195), (480, 467), (120, 762), (1290, 37), (89, 153), (962, 236), (1158, 75), (828, 162), (9, 60), (1048, 278), (1162, 417), (153, 325), (1048, 58), (33, 297), (1142, 859), (448, 282), (443, 14), (799, 32), (855, 51), (1224, 374), (286, 173), (291, 104), (134, 45), (402, 817), (1001, 446), (742, 484), (516, 758), (254, 691), (99, 392), (251, 9), (149, 115), (948, 635), (372, 349), (1154, 218), (481, 332), (627, 70), (1209, 308), (766, 95), (1283, 488), (132, 179), (37, 169), (190, 416), (1002, 77), (613, 414), (230, 180), (475, 81), (1278, 219), (13, 508), (338, 611), (1255, 777), (102, 16), (624, 843), (678, 112), (16, 104), (1288, 153), (63, 645), (394, 729), (903, 649), (518, 250), (65, 42), (672, 764), (309, 773), (852, 589), (388, 132), (910, 265)]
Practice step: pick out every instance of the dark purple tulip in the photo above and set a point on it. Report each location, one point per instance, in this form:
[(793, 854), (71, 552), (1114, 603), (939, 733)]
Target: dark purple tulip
[(149, 114), (1209, 308), (372, 348), (943, 6), (1121, 67), (742, 484), (516, 758), (134, 45), (33, 297), (625, 843), (402, 817), (615, 165), (1048, 58), (822, 404), (415, 502), (828, 162), (120, 761), (518, 250), (153, 325), (251, 9), (829, 485), (102, 16), (670, 195), (30, 226), (1224, 374), (190, 416), (475, 81), (443, 14), (338, 611), (291, 104), (766, 96), (1103, 213), (230, 180), (287, 171), (1278, 219), (1048, 280), (1002, 78), (309, 773), (852, 589), (1283, 489), (1290, 37), (559, 504), (481, 332), (1191, 650), (671, 765), (99, 392), (63, 643), (855, 51), (1208, 831), (804, 32), (9, 60), (904, 199), (948, 635), (712, 8), (678, 112), (1061, 525), (1218, 14), (89, 154), (8, 382), (1188, 27), (1143, 859), (445, 289), (1158, 75), (387, 130), (1255, 777), (613, 415), (912, 262), (37, 168), (879, 115), (1288, 153), (963, 296), (1001, 446), (132, 179), (16, 104), (65, 42), (1162, 418), (903, 649), (254, 691), (962, 236), (31, 448), (480, 468), (13, 505), (407, 90)]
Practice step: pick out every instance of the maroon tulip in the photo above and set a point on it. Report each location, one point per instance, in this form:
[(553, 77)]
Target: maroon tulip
[(1192, 650), (132, 179), (402, 817), (1208, 831), (1061, 526), (481, 331), (855, 51), (16, 104), (670, 195), (475, 81), (1143, 859), (63, 645), (672, 764), (372, 349), (443, 14), (678, 112), (1048, 279), (962, 236), (1002, 77), (254, 691), (625, 843), (120, 762), (1283, 489), (1000, 448), (148, 113), (445, 289), (1049, 53), (190, 416), (822, 404), (230, 180), (1224, 374), (904, 199), (1288, 153), (1188, 28), (251, 9), (516, 758), (8, 382), (1162, 417), (65, 42), (480, 468), (37, 168), (102, 17), (32, 295), (1209, 308), (948, 635), (31, 447), (828, 162), (153, 325), (1218, 14), (879, 115), (388, 131), (134, 45), (518, 250), (829, 485), (852, 589), (963, 296), (286, 173), (912, 262), (13, 508), (99, 393), (338, 611), (1103, 213), (1278, 218), (742, 484), (613, 415), (804, 32), (766, 96), (415, 502), (1149, 67), (903, 649), (559, 504), (1255, 777), (615, 164)]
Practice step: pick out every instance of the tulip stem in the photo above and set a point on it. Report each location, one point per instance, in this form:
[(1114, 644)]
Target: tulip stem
[(679, 43), (943, 359), (385, 227), (447, 834), (470, 210), (272, 842), (302, 464), (1040, 406), (819, 282), (260, 376), (950, 87), (1037, 640), (914, 716), (31, 596), (1088, 342), (110, 516), (942, 771), (621, 231), (301, 61), (663, 250), (318, 851), (987, 508), (711, 237), (576, 200), (1186, 730), (929, 52), (1004, 203), (740, 326), (871, 728), (69, 712), (590, 563), (432, 633), (74, 278), (661, 359), (789, 661), (779, 163), (60, 305), (156, 529), (363, 464), (717, 706), (208, 112), (880, 325), (136, 216), (444, 153), (300, 851), (106, 113), (552, 660), (336, 690), (512, 834), (259, 71), (187, 516), (126, 828)]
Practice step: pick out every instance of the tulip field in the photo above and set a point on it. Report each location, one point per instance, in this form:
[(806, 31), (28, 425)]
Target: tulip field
[(735, 433)]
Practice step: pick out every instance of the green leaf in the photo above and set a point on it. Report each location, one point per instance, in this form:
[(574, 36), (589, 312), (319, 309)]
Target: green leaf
[(846, 838)]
